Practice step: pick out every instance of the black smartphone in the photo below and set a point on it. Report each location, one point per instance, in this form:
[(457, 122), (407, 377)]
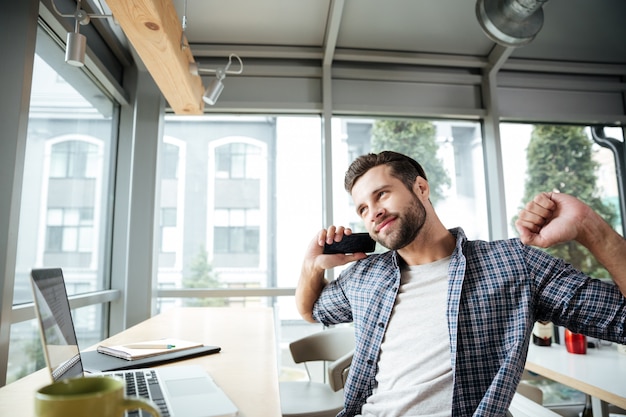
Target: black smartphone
[(354, 243)]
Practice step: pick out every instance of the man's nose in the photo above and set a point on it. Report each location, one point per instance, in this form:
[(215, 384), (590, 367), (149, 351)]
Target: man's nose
[(377, 213)]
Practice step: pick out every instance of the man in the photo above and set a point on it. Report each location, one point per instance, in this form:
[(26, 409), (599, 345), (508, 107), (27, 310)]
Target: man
[(442, 324)]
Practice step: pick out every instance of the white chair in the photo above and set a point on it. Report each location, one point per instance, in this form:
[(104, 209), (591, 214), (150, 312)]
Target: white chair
[(334, 346), (528, 400), (530, 391)]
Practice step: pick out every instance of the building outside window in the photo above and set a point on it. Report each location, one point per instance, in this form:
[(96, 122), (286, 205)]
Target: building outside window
[(170, 211), (69, 230), (74, 159), (239, 200), (236, 231)]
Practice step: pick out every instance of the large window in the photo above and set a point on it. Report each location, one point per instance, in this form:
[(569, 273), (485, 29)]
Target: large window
[(64, 211), (247, 197), (561, 158), (449, 151)]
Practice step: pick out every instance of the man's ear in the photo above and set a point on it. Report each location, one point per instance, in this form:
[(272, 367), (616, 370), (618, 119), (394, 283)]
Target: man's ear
[(421, 187)]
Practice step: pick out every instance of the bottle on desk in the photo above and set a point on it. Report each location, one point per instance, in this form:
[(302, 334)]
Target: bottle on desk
[(542, 333)]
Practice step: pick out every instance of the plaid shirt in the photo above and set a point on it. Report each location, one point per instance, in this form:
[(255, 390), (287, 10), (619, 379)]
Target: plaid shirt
[(496, 291)]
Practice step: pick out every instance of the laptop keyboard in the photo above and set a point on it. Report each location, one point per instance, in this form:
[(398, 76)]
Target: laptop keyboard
[(144, 384)]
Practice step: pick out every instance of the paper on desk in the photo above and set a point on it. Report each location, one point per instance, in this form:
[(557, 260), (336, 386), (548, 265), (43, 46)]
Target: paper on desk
[(143, 348)]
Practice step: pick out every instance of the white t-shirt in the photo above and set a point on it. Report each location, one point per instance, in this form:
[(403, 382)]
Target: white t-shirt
[(414, 371)]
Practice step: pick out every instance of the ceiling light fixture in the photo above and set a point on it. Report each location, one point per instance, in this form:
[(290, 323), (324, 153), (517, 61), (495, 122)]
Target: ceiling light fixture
[(76, 43), (510, 22), (213, 91), (183, 43)]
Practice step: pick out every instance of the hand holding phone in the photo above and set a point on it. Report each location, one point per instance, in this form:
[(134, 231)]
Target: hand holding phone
[(353, 243)]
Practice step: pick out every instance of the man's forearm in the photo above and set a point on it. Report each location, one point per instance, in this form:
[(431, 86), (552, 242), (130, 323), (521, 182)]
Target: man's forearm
[(607, 246), (310, 286)]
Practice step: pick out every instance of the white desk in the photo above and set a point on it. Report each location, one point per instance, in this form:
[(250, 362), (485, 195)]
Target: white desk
[(601, 373), (245, 369)]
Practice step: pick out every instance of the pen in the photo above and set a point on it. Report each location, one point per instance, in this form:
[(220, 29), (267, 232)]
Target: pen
[(150, 346)]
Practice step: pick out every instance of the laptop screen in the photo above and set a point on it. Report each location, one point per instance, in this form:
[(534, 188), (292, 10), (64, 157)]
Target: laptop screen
[(55, 323)]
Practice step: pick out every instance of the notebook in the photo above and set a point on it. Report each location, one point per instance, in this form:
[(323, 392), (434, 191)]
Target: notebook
[(179, 391), (147, 348)]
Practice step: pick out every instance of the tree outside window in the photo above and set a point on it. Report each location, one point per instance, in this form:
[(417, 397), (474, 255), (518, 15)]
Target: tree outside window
[(560, 158), (416, 139)]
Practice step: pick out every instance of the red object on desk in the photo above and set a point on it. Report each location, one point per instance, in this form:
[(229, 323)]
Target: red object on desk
[(575, 342)]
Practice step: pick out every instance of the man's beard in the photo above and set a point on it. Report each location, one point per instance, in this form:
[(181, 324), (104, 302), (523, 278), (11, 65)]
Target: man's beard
[(407, 226)]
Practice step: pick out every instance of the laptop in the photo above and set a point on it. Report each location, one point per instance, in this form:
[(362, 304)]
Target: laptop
[(178, 391)]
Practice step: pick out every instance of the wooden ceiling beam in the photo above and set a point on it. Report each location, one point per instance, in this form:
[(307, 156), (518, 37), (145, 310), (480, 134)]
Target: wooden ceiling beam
[(155, 31)]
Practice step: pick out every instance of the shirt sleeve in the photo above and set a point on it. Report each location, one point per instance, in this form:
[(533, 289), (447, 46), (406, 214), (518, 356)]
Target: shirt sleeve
[(333, 306), (570, 298)]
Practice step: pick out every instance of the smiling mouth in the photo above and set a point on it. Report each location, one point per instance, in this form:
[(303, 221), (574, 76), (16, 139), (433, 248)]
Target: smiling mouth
[(383, 224)]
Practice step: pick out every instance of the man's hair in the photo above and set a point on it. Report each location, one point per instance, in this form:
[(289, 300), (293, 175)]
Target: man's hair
[(402, 167)]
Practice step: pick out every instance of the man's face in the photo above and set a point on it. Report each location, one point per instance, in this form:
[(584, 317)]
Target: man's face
[(393, 215)]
